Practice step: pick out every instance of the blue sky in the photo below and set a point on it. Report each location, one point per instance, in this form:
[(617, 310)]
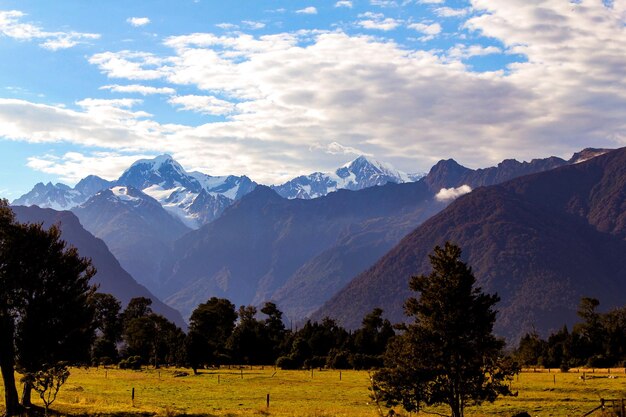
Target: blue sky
[(275, 89)]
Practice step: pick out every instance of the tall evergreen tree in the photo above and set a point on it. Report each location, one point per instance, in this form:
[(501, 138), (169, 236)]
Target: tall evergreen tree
[(448, 355)]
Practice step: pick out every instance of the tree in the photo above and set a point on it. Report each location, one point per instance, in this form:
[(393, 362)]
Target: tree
[(274, 329), (372, 337), (45, 312), (47, 383), (210, 326), (108, 325), (448, 355), (531, 350), (137, 307), (150, 336), (249, 343), (11, 302)]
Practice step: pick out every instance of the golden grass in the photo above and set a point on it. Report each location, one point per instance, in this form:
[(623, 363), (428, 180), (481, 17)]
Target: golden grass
[(296, 394)]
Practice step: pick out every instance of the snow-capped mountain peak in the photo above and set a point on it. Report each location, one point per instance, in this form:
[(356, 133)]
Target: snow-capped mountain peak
[(57, 196), (357, 174), (162, 170), (193, 197), (367, 167)]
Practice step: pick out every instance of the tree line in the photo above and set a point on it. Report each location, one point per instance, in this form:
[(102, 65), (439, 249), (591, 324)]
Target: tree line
[(219, 334), (597, 341), (51, 317)]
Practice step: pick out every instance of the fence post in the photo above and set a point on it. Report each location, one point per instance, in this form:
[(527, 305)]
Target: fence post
[(268, 401)]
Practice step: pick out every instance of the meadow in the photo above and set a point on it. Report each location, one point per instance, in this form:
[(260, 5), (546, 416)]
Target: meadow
[(325, 393)]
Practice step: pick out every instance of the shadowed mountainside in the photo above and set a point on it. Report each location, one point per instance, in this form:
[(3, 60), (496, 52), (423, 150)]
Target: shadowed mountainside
[(110, 276), (541, 242)]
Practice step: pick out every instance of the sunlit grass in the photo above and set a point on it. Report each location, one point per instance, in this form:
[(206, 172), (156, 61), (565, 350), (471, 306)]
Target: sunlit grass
[(296, 393)]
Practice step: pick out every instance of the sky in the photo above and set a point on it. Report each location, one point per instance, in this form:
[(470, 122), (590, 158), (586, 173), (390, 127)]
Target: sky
[(278, 88)]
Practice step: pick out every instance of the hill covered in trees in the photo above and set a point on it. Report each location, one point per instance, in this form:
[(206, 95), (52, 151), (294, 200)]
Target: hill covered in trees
[(541, 242)]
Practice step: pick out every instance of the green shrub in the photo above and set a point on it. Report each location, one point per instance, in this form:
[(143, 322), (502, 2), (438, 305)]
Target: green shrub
[(132, 362)]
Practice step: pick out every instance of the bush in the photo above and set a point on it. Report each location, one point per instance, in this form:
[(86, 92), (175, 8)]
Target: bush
[(286, 363), (315, 362), (132, 362), (339, 360), (360, 361), (599, 361), (105, 361)]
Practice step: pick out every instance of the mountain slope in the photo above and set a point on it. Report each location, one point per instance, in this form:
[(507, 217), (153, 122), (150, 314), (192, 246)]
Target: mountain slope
[(252, 250), (541, 241), (323, 275), (134, 226), (110, 276)]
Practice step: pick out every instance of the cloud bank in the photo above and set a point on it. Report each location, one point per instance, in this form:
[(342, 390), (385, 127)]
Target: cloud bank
[(276, 104)]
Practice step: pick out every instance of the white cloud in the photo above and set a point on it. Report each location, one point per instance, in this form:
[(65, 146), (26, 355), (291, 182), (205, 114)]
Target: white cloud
[(253, 25), (378, 21), (430, 30), (72, 166), (144, 90), (335, 148), (130, 65), (384, 3), (115, 103), (138, 21), (344, 3), (449, 194), (99, 123), (408, 107), (203, 104), (307, 10), (227, 26), (450, 12), (460, 51), (12, 27), (431, 1)]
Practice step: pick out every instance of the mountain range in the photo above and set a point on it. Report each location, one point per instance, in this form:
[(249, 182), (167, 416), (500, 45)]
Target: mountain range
[(361, 173), (298, 252), (540, 241), (155, 201), (311, 244), (197, 199), (192, 197)]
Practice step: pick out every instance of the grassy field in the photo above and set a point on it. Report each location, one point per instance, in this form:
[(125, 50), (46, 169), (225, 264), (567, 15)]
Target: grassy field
[(297, 393)]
